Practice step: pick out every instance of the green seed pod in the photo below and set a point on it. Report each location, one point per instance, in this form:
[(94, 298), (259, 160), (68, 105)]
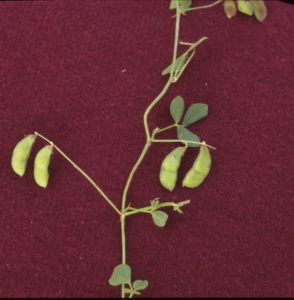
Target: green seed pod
[(230, 8), (169, 168), (21, 153), (42, 161), (245, 7), (200, 169), (260, 10)]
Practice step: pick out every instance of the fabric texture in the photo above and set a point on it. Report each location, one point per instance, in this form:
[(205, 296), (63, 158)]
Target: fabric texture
[(82, 73)]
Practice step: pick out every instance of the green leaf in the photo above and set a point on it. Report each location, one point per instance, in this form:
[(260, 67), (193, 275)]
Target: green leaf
[(186, 135), (245, 7), (195, 113), (159, 218), (179, 64), (121, 274), (140, 284), (177, 108), (183, 5), (154, 203)]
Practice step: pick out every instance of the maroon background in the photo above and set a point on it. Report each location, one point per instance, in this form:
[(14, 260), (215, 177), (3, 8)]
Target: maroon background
[(61, 66)]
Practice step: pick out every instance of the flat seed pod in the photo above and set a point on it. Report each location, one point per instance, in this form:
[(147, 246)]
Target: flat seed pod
[(21, 153), (260, 10), (42, 161), (230, 8), (169, 168), (200, 169), (245, 7)]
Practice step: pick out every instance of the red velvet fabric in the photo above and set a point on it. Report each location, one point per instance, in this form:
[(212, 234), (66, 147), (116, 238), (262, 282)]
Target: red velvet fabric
[(62, 74)]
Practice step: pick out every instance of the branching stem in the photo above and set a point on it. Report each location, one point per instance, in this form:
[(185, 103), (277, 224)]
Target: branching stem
[(81, 171)]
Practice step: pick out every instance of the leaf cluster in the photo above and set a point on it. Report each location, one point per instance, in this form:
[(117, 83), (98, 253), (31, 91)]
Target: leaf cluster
[(194, 113)]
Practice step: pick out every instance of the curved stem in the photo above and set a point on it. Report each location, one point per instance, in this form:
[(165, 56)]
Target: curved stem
[(170, 80), (153, 103), (82, 172)]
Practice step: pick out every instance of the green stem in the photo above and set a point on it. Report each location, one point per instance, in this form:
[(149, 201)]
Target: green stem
[(176, 40), (82, 172), (166, 128), (123, 248), (147, 144), (179, 73), (149, 209), (205, 6), (182, 141)]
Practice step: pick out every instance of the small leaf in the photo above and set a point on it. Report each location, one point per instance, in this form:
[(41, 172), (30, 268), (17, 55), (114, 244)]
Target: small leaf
[(195, 113), (177, 108), (186, 135), (121, 274), (159, 218), (179, 64), (154, 203), (230, 8), (173, 4), (245, 7), (260, 10), (183, 5), (140, 284)]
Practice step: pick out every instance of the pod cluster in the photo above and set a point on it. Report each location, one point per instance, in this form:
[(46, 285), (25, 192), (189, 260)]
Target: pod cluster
[(247, 7), (194, 177), (20, 156)]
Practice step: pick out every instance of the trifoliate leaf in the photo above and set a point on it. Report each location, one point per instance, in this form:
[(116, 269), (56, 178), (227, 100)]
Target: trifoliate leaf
[(186, 135), (121, 274), (159, 218), (177, 108), (195, 113)]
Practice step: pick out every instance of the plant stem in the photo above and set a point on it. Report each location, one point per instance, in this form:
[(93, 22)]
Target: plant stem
[(176, 40), (182, 141), (179, 73), (123, 248), (82, 172), (205, 6), (148, 142), (166, 128)]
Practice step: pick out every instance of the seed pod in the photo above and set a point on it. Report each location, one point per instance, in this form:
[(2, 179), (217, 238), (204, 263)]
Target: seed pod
[(42, 161), (169, 168), (200, 169), (21, 153), (260, 10), (245, 7), (230, 8)]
